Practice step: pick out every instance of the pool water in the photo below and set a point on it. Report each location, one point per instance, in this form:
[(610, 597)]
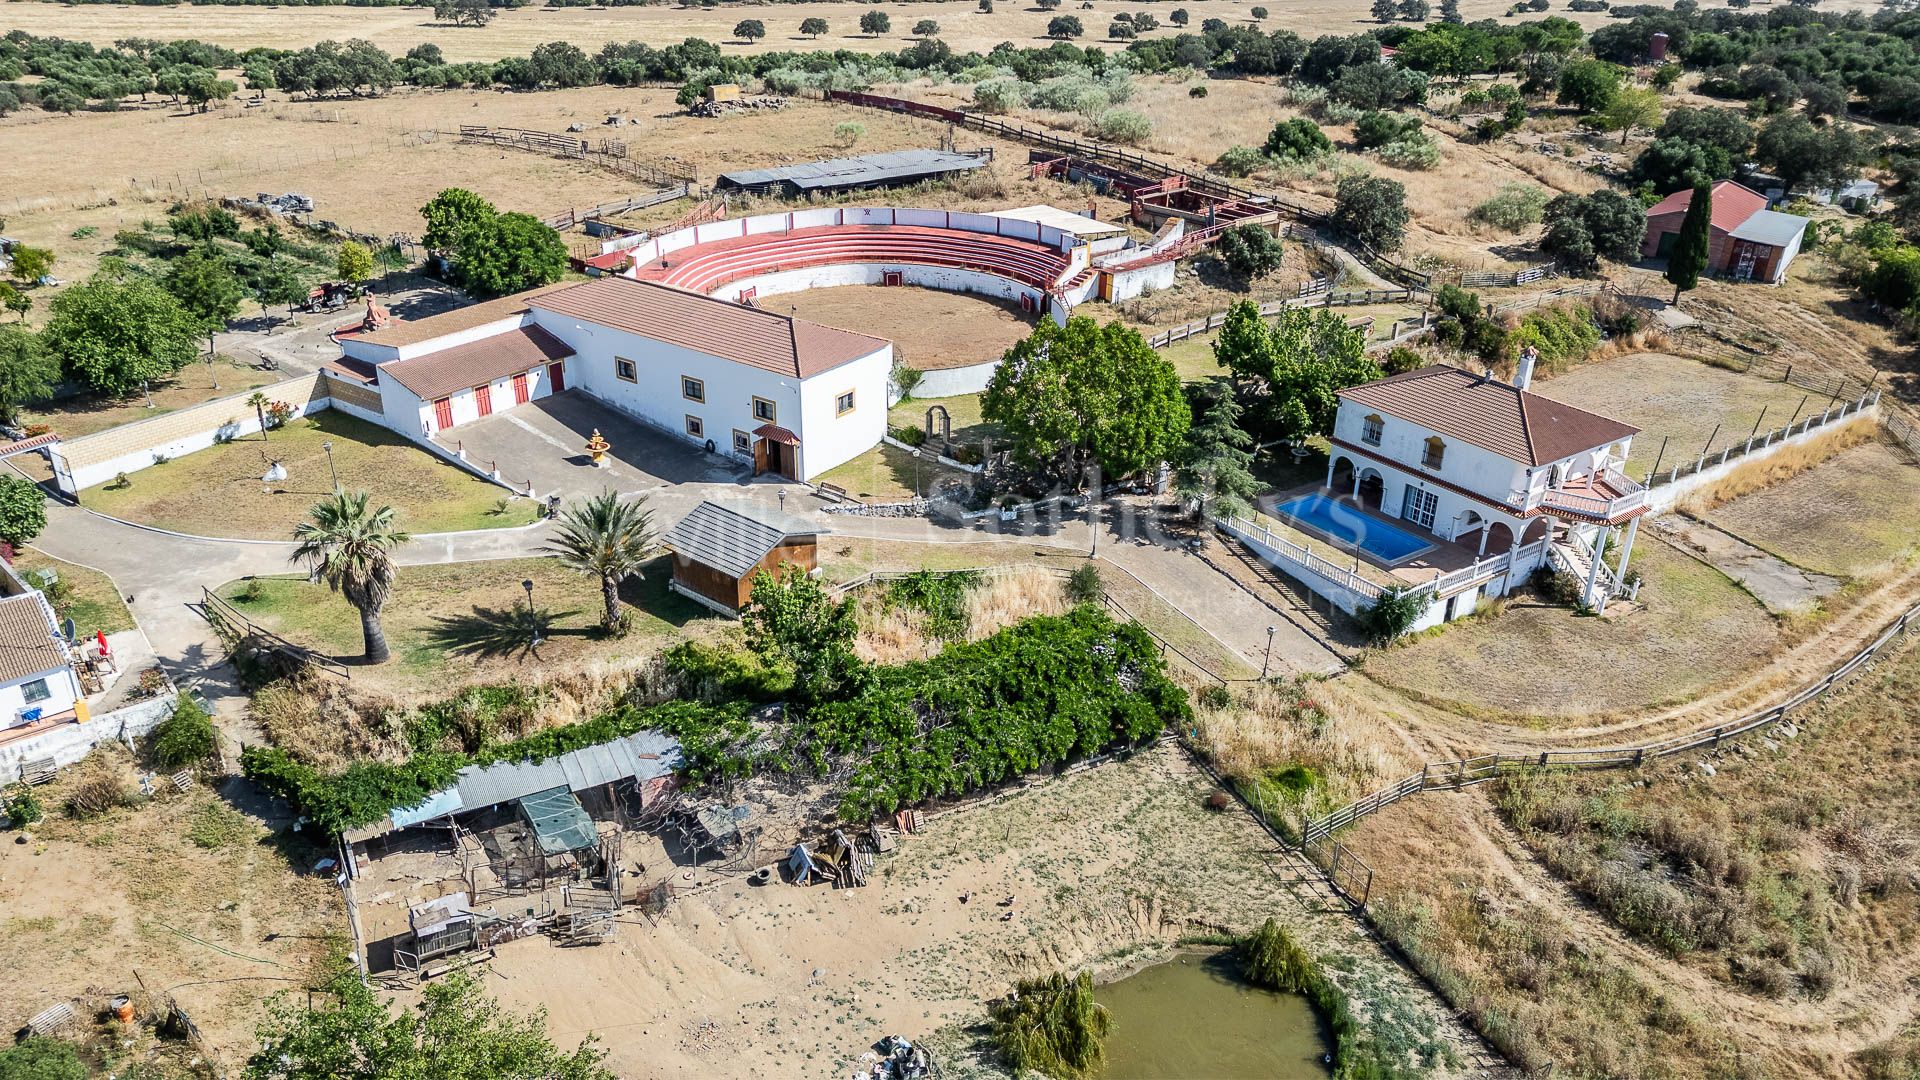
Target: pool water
[(1351, 529), (1193, 1017)]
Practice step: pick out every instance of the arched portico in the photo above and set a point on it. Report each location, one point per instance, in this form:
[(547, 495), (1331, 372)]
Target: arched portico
[(1499, 539), (1371, 488)]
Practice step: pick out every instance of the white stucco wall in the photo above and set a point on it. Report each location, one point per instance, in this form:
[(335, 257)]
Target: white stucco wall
[(62, 687), (244, 421), (927, 277), (730, 387)]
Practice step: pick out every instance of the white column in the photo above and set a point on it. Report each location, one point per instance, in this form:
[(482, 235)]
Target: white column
[(1485, 528), (1593, 572), (1329, 484), (1626, 552)]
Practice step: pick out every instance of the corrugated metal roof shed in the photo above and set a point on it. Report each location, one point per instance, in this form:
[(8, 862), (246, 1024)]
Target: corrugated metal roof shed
[(864, 171), (1771, 227), (732, 541)]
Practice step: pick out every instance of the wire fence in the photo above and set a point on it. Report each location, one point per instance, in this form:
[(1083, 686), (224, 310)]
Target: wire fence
[(1758, 443)]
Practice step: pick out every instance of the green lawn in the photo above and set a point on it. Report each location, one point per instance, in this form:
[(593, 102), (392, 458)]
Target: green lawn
[(82, 594), (453, 622), (218, 491)]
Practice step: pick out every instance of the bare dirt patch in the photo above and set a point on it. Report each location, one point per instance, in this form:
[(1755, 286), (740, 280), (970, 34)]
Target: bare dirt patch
[(1677, 400), (220, 927), (1544, 665), (1106, 868), (930, 329)]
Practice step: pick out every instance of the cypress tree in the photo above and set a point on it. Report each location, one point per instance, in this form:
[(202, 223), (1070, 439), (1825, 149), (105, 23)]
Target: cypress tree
[(1689, 255)]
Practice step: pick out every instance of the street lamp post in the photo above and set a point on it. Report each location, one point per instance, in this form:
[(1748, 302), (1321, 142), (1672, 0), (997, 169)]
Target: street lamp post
[(533, 619), (328, 447), (1268, 662)]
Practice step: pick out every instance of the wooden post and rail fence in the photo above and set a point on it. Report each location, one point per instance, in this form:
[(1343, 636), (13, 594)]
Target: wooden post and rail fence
[(1466, 772), (233, 623)]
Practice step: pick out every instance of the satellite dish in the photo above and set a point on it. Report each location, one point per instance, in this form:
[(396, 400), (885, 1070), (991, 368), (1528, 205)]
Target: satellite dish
[(275, 473), (67, 629)]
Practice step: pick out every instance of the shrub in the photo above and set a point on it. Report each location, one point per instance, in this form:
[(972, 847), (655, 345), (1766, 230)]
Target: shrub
[(912, 436), (23, 510), (1371, 210), (1249, 251), (1400, 360), (23, 807), (1196, 91), (1513, 207), (1124, 126), (1393, 614), (1297, 140), (1051, 1025), (942, 597), (1084, 585), (1376, 129), (98, 793), (184, 738), (848, 132), (1417, 153), (1240, 160)]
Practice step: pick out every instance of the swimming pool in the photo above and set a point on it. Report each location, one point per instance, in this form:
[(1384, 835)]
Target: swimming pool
[(1351, 529)]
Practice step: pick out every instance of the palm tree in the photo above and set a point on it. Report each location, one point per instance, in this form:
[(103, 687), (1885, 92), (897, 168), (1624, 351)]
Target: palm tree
[(607, 537), (258, 400), (350, 548)]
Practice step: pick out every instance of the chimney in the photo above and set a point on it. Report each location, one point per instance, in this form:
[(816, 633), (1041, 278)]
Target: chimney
[(1523, 370)]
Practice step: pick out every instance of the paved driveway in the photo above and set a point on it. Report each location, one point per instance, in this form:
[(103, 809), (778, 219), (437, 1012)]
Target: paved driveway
[(544, 442)]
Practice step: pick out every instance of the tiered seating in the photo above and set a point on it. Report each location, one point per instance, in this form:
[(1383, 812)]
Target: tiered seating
[(706, 267)]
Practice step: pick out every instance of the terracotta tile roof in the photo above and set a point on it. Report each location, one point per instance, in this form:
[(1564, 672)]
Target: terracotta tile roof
[(1490, 414), (1732, 204), (437, 374), (415, 331), (27, 644), (763, 339)]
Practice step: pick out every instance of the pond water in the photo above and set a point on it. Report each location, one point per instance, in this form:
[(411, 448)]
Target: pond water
[(1192, 1018)]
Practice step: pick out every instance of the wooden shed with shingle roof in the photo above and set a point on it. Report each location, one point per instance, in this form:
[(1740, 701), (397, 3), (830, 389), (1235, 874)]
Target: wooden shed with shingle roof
[(718, 549)]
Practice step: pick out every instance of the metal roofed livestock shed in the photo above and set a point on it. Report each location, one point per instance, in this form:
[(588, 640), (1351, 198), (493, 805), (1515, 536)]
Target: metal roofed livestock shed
[(559, 823), (839, 174)]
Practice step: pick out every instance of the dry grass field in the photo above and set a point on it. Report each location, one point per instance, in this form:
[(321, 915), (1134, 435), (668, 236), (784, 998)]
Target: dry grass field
[(1677, 399), (1754, 917), (1856, 516), (517, 31), (1543, 665)]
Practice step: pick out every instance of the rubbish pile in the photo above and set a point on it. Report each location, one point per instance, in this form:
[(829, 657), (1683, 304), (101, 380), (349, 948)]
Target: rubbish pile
[(712, 109), (897, 1059)]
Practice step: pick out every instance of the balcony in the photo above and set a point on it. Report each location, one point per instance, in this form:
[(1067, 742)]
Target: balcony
[(1603, 496)]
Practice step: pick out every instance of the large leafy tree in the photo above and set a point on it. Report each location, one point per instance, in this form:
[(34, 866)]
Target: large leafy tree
[(354, 262), (1583, 229), (875, 23), (1806, 155), (608, 538), (23, 510), (1372, 210), (1589, 85), (28, 372), (1633, 108), (792, 623), (1087, 394), (350, 546), (450, 214), (457, 1033), (1289, 374), (1213, 469), (1670, 163), (112, 333), (508, 253), (1690, 248), (206, 286)]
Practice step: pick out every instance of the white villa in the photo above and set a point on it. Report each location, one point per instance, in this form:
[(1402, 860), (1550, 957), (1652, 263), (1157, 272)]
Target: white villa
[(1458, 485), (794, 397), (1489, 466)]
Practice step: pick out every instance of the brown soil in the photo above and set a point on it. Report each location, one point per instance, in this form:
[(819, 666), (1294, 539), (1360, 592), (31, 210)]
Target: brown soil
[(104, 907), (1105, 869), (929, 329)]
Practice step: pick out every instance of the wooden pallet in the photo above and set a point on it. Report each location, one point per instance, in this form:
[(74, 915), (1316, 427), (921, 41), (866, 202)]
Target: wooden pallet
[(36, 771), (183, 780), (51, 1019)]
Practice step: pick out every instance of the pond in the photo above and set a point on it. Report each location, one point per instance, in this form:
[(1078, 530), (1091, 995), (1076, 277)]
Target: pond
[(1193, 1017)]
